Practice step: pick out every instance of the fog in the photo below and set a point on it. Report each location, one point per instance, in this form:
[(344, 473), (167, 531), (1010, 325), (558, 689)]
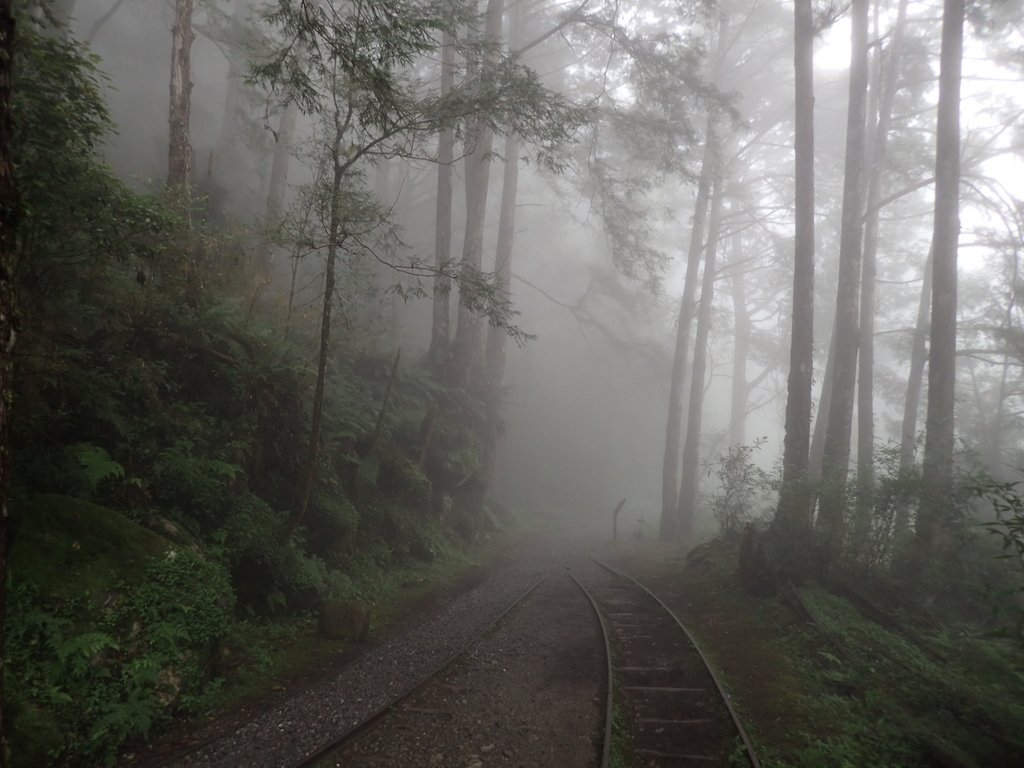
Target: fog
[(585, 400)]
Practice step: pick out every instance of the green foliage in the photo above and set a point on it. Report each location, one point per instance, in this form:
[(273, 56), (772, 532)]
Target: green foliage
[(931, 693), (1008, 504), (108, 677), (173, 397), (197, 485), (75, 213), (95, 464), (742, 486)]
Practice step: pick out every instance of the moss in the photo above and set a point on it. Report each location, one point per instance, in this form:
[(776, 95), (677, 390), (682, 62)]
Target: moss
[(72, 549)]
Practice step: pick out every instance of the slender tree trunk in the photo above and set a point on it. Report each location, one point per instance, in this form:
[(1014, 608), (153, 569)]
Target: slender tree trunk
[(179, 155), (494, 356), (791, 527), (277, 186), (741, 349), (669, 526), (227, 144), (835, 464), (866, 369), (480, 139), (386, 276), (938, 468), (912, 400), (497, 338), (316, 421), (689, 485), (9, 215), (439, 334), (915, 378), (821, 419), (937, 480)]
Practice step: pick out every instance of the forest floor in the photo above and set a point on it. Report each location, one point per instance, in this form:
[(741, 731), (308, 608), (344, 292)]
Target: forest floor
[(836, 691), (300, 658)]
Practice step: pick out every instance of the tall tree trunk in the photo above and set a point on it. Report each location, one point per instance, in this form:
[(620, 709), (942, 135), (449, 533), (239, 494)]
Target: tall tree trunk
[(9, 215), (277, 186), (821, 419), (227, 144), (391, 330), (915, 377), (668, 529), (689, 485), (439, 333), (866, 368), (479, 141), (835, 462), (937, 480), (494, 349), (791, 527), (305, 489), (741, 349), (179, 153), (912, 400), (494, 355)]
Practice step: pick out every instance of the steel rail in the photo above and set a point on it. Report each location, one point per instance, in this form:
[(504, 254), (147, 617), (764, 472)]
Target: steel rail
[(337, 742), (606, 748), (748, 745)]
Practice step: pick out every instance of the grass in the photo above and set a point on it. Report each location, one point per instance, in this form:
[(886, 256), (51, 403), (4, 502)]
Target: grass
[(856, 694)]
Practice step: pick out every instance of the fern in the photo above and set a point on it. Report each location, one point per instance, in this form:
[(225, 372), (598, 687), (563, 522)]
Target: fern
[(96, 465), (78, 652)]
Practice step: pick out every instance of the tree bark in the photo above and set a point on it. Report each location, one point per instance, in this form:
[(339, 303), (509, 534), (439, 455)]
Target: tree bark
[(689, 485), (866, 368), (440, 328), (479, 141), (937, 480), (741, 349), (912, 400), (494, 357), (668, 529), (305, 490), (791, 527), (9, 214), (835, 462), (179, 154), (277, 187), (821, 419)]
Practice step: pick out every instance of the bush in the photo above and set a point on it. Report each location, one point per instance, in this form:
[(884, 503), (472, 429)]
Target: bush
[(742, 485), (103, 678)]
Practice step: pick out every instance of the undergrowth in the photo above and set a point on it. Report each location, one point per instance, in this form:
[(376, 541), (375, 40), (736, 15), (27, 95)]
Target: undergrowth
[(853, 693)]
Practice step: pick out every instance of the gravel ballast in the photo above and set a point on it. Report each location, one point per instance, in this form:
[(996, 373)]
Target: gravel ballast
[(527, 694), (286, 733)]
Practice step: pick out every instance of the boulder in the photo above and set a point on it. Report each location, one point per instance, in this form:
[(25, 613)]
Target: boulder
[(344, 620)]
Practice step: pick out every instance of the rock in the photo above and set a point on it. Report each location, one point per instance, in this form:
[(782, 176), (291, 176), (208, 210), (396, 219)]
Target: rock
[(344, 620), (168, 686)]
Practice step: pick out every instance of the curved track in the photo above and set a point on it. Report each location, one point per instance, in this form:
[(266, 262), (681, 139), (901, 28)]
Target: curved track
[(680, 711)]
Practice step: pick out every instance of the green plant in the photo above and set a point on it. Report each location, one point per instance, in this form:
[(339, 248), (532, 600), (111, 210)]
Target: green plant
[(1008, 504), (742, 485)]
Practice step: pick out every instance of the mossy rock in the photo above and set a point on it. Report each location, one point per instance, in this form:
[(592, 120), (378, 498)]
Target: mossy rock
[(72, 549), (34, 735)]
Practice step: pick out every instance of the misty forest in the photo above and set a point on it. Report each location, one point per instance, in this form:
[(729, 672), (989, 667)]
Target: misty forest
[(526, 383)]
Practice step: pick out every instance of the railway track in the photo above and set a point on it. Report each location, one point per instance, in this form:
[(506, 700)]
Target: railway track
[(679, 711), (320, 755), (656, 675)]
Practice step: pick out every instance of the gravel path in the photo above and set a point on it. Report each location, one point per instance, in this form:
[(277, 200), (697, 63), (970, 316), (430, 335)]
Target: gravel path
[(299, 726), (527, 695)]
